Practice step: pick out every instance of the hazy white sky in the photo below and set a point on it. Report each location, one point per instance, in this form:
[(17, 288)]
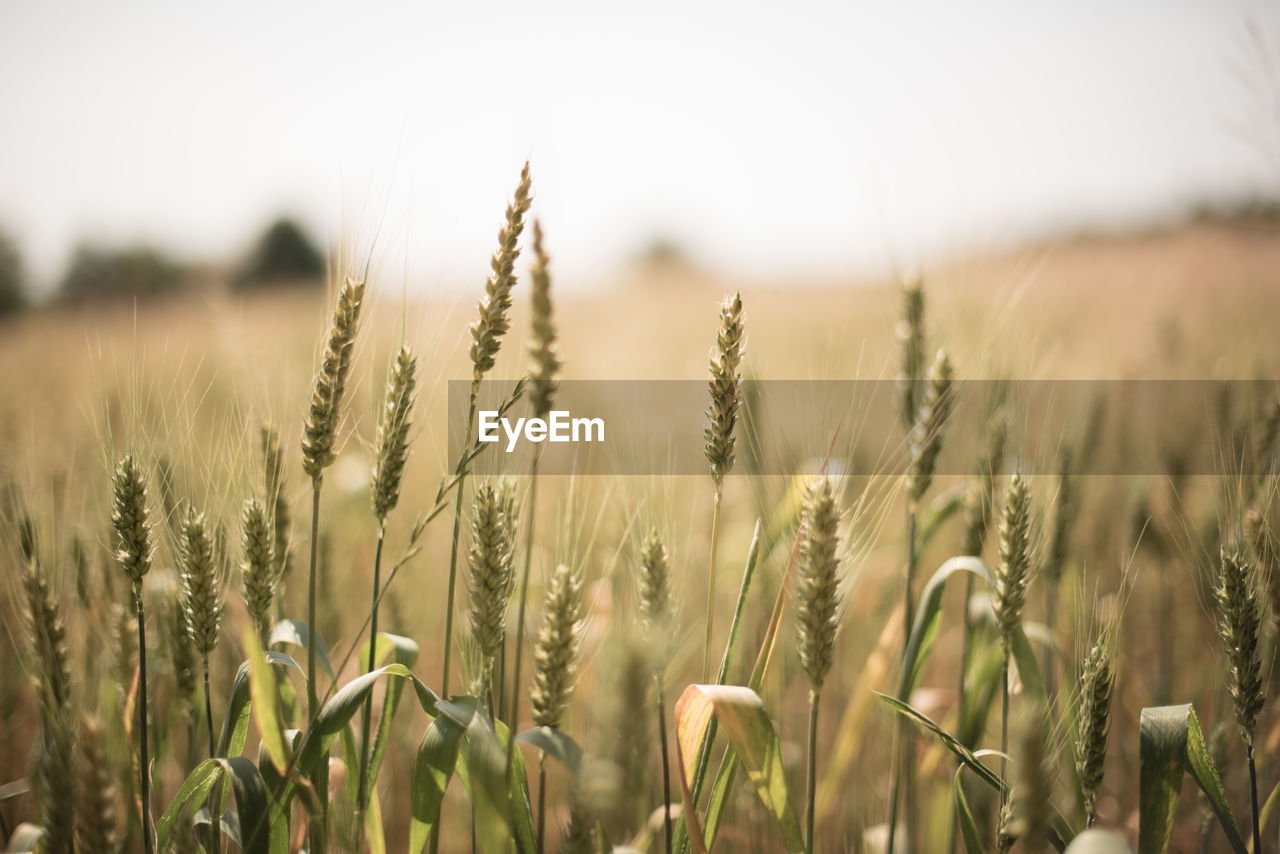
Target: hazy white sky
[(768, 138)]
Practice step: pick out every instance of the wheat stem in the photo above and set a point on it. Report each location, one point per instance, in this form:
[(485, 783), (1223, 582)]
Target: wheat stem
[(366, 713), (144, 769), (520, 610), (812, 777), (711, 583)]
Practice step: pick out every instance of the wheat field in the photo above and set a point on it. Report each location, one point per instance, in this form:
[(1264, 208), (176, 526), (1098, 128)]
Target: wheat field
[(1033, 690)]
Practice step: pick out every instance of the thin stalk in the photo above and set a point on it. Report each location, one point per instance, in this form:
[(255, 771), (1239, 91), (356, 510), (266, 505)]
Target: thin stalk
[(319, 822), (144, 768), (542, 801), (453, 555), (812, 782), (1004, 718), (902, 770), (726, 661), (711, 584), (961, 690), (1253, 794), (366, 714), (666, 766), (208, 712), (215, 827), (514, 723)]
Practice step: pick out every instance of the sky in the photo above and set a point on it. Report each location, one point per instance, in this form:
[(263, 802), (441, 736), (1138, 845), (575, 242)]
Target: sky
[(770, 140)]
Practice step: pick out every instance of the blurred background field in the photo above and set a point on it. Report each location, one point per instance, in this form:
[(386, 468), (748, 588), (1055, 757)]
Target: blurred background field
[(1087, 194)]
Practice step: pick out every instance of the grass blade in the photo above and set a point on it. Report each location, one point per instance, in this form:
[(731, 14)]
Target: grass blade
[(437, 757), (1171, 745), (966, 756), (968, 827), (745, 722)]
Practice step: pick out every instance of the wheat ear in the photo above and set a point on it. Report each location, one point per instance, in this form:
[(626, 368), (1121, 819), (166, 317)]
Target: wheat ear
[(1239, 625), (55, 771)]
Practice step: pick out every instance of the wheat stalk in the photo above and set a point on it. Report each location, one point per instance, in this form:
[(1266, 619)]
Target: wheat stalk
[(725, 386), (133, 552), (1011, 578), (487, 331), (656, 618), (391, 451), (817, 605), (318, 453)]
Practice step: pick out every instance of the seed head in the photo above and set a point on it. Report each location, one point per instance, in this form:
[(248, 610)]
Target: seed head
[(1238, 627), (55, 774), (726, 389), (277, 501), (655, 586), (99, 828), (129, 518), (1063, 514), (555, 659), (318, 450), (181, 651), (491, 560), (1266, 555), (1030, 798), (979, 497), (926, 435), (1093, 716), (544, 367), (257, 568), (1013, 572), (393, 434), (817, 583), (487, 330), (910, 334), (201, 583)]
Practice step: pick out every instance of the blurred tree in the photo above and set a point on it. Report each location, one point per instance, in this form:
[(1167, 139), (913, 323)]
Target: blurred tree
[(12, 286), (283, 253), (96, 274)]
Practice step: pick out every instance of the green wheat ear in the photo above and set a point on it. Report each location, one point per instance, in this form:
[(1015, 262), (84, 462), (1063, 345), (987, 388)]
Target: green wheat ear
[(979, 496), (491, 561), (654, 586), (1239, 619), (926, 435), (910, 335), (1013, 572), (726, 389), (817, 584), (492, 322), (201, 582), (545, 365), (318, 442), (555, 659), (55, 750), (258, 566), (1093, 715), (392, 447), (129, 519)]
